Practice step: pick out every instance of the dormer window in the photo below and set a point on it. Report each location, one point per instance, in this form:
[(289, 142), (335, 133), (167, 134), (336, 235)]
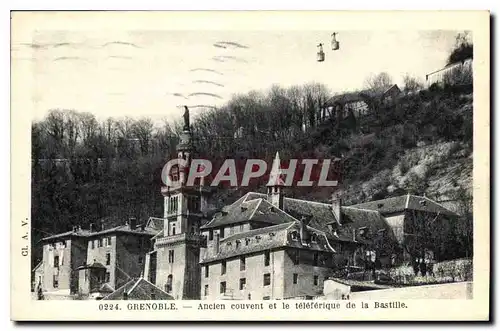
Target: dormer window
[(247, 241), (228, 243), (380, 205), (243, 209), (423, 202), (238, 243), (314, 238), (258, 237), (295, 235), (272, 234)]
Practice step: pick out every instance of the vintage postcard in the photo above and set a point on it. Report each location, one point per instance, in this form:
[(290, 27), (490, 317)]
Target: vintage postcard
[(309, 166)]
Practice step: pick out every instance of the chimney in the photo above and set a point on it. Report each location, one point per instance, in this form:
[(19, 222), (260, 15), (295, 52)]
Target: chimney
[(133, 223), (75, 228), (353, 234), (92, 227), (304, 233), (336, 207)]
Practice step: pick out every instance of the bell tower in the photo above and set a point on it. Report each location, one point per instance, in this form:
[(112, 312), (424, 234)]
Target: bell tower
[(178, 249)]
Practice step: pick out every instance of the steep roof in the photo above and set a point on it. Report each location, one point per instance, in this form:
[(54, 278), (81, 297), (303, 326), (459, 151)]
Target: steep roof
[(359, 95), (321, 215), (125, 229), (95, 265), (139, 289), (155, 223), (266, 238), (405, 202), (68, 234), (251, 207)]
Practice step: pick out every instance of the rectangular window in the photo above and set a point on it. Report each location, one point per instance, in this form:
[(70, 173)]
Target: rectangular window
[(55, 281), (223, 268), (141, 260), (296, 256), (315, 259), (211, 235), (316, 279), (223, 287), (108, 259), (56, 261), (92, 244), (171, 256), (267, 258), (242, 227), (221, 233), (206, 271), (295, 278), (242, 263), (109, 241), (101, 244), (243, 283), (206, 290), (107, 277), (267, 279)]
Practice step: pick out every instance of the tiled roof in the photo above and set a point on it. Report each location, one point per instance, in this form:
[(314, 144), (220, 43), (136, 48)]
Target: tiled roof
[(320, 213), (95, 265), (68, 234), (270, 237), (404, 202), (125, 229), (106, 288), (251, 207), (358, 96), (155, 223), (139, 289)]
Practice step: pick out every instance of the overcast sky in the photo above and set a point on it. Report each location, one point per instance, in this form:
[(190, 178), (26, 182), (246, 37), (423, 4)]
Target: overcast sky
[(151, 73)]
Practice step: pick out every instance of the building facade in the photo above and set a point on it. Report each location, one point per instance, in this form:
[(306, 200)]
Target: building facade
[(82, 261)]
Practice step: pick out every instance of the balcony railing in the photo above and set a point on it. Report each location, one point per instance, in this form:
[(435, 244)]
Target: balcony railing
[(190, 237)]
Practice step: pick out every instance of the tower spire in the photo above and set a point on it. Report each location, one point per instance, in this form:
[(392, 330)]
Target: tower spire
[(275, 183)]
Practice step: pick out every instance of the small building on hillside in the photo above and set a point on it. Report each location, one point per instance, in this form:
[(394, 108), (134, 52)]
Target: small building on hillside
[(454, 73), (360, 103)]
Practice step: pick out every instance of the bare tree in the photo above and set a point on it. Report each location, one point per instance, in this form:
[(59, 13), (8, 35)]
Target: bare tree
[(378, 83), (143, 130), (411, 83)]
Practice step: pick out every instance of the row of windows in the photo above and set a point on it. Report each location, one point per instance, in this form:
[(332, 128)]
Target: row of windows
[(267, 259), (101, 242), (193, 204), (265, 282), (232, 230), (296, 236), (173, 203)]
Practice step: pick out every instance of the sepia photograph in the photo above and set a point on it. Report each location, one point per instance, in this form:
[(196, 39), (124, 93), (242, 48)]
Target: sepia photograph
[(330, 166)]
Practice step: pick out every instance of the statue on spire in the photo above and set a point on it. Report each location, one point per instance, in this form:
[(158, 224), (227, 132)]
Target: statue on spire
[(186, 118)]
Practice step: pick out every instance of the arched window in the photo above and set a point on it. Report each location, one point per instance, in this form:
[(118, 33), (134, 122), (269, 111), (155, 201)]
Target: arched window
[(168, 286)]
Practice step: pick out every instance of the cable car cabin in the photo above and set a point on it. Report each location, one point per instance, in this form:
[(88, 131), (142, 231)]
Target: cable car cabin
[(335, 43), (321, 54)]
